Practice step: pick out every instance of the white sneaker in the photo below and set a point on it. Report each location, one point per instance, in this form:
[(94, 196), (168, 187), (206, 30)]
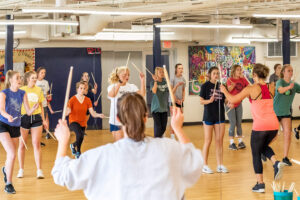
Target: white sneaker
[(40, 174), (207, 170), (173, 136), (222, 169), (20, 173)]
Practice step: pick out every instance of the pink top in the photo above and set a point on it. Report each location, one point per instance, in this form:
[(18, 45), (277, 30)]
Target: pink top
[(264, 117), (240, 84)]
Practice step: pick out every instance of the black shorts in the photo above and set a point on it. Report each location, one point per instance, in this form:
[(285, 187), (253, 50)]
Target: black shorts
[(14, 131), (32, 121), (178, 105), (285, 116)]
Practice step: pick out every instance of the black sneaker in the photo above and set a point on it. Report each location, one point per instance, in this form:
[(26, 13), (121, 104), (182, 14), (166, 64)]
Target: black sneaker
[(233, 147), (77, 155), (278, 169), (43, 144), (263, 157), (4, 174), (241, 145), (73, 150), (286, 161), (296, 132), (259, 187), (47, 136), (10, 189)]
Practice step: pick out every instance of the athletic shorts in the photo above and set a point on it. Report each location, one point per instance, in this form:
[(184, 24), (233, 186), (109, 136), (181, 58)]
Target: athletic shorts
[(32, 121), (114, 128), (14, 131), (212, 122), (178, 105), (285, 116)]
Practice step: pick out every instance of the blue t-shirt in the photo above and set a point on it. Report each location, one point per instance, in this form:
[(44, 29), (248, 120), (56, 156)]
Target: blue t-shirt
[(13, 104)]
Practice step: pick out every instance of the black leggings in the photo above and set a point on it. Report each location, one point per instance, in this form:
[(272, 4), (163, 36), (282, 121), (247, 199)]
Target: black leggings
[(160, 123), (260, 141), (79, 131)]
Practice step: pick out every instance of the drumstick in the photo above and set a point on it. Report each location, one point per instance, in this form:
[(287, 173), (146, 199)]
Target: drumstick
[(24, 142), (50, 89), (228, 110), (136, 67), (99, 96), (128, 60), (93, 77), (58, 111), (149, 71), (295, 161), (67, 93), (169, 85), (50, 134)]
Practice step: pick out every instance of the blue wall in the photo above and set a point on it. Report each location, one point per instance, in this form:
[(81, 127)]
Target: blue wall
[(57, 62)]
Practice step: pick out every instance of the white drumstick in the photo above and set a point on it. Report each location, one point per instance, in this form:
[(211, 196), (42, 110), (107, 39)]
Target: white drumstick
[(50, 134), (136, 67), (58, 111), (295, 161), (149, 71), (67, 93), (24, 142), (128, 60), (99, 96), (169, 85), (93, 77)]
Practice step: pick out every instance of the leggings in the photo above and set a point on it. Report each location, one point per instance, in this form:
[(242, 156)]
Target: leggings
[(160, 123), (79, 131), (235, 116), (260, 141)]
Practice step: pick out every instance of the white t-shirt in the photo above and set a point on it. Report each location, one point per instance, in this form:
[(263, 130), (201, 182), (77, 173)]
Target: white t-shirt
[(113, 105), (45, 88)]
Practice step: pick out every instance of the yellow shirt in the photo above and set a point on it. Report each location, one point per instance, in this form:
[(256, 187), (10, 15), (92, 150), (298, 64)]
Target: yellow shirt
[(34, 95)]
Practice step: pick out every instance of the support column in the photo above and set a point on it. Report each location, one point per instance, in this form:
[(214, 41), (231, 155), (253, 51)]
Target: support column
[(286, 55), (156, 44)]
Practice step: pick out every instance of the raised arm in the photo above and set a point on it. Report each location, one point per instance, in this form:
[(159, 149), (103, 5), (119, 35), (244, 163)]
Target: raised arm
[(114, 90), (142, 91)]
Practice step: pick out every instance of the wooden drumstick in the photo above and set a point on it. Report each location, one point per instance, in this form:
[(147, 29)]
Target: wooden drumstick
[(169, 85), (50, 89), (128, 60), (67, 93), (93, 77), (149, 71), (24, 142), (136, 68), (99, 96), (51, 134)]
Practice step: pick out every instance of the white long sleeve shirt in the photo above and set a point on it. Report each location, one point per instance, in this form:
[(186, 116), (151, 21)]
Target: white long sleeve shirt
[(153, 169)]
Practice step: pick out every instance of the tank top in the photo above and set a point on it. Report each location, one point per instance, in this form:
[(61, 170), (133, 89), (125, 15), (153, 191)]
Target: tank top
[(264, 117)]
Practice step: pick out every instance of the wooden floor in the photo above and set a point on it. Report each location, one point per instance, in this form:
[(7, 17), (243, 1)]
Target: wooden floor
[(235, 185)]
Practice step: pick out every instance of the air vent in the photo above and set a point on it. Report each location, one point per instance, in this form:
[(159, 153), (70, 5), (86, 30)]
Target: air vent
[(275, 49)]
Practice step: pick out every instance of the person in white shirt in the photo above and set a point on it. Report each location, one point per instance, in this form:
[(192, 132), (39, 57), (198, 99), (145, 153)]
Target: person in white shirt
[(135, 167), (119, 86)]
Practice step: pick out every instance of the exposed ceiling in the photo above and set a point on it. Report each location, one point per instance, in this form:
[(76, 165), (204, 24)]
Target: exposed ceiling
[(183, 11)]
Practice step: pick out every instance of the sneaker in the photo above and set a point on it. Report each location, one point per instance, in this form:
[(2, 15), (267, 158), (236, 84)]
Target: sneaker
[(207, 170), (43, 144), (222, 169), (20, 173), (264, 158), (233, 147), (73, 150), (241, 145), (77, 155), (296, 133), (39, 174), (172, 135), (278, 166), (259, 187), (47, 136), (4, 174), (10, 189), (286, 161)]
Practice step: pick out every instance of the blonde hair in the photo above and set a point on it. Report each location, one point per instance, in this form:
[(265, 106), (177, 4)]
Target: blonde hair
[(80, 83), (27, 76), (157, 70), (8, 76), (114, 75), (283, 69)]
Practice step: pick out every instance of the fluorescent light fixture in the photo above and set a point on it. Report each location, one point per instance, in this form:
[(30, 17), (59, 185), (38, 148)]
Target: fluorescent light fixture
[(254, 39), (89, 12), (229, 26), (276, 16), (15, 32), (38, 22), (142, 35)]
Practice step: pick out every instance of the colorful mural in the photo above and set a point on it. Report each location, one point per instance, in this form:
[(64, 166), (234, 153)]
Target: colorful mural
[(201, 58)]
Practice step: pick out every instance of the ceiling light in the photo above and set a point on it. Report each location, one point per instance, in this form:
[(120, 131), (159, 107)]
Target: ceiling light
[(204, 26), (89, 12), (255, 39), (38, 22), (15, 32), (276, 16), (130, 33)]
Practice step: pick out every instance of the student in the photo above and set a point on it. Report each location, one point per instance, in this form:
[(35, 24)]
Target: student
[(276, 75), (42, 83), (135, 167), (120, 86), (284, 96), (236, 83), (33, 123), (77, 107), (159, 104), (265, 123), (11, 99), (178, 84), (91, 90), (213, 119)]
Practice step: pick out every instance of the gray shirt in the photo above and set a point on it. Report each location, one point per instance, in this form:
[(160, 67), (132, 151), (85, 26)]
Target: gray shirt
[(178, 92), (153, 169), (273, 78)]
